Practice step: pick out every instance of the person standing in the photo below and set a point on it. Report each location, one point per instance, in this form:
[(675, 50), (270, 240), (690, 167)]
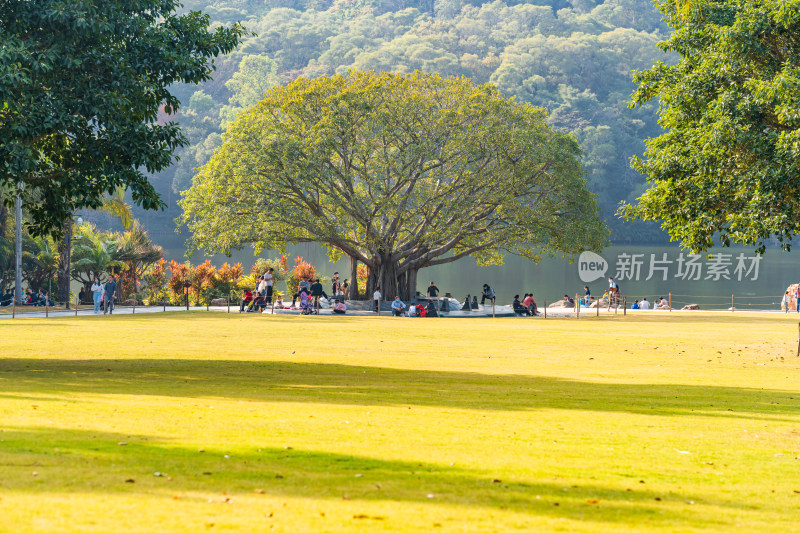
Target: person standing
[(269, 279), (336, 285), (261, 289), (787, 301), (110, 289), (97, 293), (316, 293), (613, 293), (433, 291), (797, 298), (376, 297)]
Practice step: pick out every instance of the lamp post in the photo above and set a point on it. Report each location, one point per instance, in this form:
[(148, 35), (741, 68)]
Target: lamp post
[(18, 258), (186, 285)]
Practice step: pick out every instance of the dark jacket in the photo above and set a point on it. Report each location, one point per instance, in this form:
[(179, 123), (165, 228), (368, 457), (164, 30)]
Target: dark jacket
[(316, 289)]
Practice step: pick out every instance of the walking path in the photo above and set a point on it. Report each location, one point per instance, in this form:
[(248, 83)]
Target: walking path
[(500, 311)]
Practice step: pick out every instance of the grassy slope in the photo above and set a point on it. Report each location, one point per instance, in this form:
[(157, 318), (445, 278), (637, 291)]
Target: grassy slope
[(330, 424)]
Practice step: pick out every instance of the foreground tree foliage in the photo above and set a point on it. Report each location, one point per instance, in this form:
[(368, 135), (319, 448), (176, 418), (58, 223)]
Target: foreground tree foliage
[(81, 86), (398, 172), (729, 163)]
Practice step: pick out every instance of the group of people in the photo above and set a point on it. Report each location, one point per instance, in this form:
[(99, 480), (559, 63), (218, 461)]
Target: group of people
[(39, 298), (526, 307), (786, 304), (257, 300), (309, 292), (658, 303), (399, 308), (103, 295), (612, 295)]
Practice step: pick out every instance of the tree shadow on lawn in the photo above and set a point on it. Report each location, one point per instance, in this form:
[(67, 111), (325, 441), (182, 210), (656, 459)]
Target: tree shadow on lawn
[(91, 462), (363, 385)]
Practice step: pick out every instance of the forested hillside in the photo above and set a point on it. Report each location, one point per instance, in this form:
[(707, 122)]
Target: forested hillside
[(572, 57)]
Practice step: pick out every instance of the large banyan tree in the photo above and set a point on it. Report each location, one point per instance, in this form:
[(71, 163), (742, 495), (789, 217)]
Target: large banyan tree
[(398, 172)]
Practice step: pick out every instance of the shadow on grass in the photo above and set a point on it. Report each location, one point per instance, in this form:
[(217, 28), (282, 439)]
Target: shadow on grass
[(94, 462), (362, 385)]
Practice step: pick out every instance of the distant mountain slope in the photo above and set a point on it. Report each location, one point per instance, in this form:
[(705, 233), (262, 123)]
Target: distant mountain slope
[(572, 57)]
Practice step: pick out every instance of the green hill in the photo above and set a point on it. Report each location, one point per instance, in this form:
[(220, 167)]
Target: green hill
[(572, 57)]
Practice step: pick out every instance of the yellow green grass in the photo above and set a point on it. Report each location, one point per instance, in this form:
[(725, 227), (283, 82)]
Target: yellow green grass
[(204, 421)]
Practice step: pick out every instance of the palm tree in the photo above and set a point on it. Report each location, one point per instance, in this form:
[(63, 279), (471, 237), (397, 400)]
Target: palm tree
[(137, 251), (39, 261), (94, 255)]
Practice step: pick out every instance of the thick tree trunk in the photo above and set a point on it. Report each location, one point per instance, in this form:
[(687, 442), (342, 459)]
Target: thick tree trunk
[(65, 251), (354, 294), (372, 283), (385, 278), (409, 290)]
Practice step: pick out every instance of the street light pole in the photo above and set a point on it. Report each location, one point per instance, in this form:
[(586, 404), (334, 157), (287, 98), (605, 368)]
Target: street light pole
[(18, 259)]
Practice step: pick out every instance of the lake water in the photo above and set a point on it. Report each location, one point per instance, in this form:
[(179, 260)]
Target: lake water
[(641, 271)]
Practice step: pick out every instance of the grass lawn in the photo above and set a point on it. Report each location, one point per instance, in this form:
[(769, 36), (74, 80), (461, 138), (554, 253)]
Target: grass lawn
[(205, 421)]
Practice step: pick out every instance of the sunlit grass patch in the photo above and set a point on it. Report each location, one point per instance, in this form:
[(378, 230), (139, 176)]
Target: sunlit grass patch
[(186, 421)]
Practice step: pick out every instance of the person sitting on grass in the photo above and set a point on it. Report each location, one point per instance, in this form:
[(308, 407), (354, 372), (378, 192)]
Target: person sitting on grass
[(420, 311), (247, 299), (431, 311), (8, 298), (339, 307), (635, 305), (570, 301), (530, 303), (519, 309), (398, 306), (305, 284), (259, 302), (305, 303)]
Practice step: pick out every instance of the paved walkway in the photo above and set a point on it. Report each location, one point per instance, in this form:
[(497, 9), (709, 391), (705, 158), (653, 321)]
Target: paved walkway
[(500, 311)]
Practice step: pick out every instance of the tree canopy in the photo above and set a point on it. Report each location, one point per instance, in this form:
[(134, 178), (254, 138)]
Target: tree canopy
[(728, 166), (573, 58), (398, 172), (82, 83)]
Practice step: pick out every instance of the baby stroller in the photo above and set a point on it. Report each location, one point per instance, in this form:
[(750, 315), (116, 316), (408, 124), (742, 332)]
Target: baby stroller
[(305, 304)]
